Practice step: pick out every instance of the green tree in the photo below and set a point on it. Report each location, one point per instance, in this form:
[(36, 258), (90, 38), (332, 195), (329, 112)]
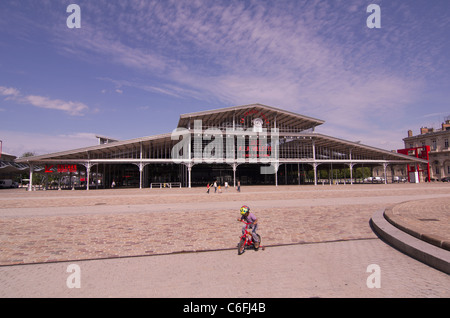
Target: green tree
[(28, 154)]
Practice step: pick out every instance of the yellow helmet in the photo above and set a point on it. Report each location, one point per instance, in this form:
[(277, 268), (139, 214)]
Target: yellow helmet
[(244, 209)]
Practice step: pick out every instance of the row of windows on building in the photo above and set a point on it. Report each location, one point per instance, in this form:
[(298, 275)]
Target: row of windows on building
[(433, 143)]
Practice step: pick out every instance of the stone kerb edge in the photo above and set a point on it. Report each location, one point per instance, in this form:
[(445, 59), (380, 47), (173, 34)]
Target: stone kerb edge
[(424, 252), (415, 231)]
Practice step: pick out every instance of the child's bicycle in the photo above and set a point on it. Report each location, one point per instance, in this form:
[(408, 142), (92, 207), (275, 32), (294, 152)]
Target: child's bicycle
[(246, 241)]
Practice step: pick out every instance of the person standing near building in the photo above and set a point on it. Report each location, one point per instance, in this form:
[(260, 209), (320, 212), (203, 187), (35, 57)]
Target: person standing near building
[(215, 186)]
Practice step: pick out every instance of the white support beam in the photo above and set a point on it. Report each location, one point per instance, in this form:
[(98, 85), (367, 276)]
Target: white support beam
[(30, 184)]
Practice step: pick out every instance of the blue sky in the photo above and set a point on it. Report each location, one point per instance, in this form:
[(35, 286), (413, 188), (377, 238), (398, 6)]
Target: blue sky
[(134, 66)]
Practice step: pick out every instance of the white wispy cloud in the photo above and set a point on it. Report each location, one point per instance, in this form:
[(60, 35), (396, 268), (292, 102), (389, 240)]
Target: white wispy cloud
[(70, 107), (8, 91), (313, 57), (235, 53), (19, 142)]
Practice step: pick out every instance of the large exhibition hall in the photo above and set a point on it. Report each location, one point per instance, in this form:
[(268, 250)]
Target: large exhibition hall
[(248, 144)]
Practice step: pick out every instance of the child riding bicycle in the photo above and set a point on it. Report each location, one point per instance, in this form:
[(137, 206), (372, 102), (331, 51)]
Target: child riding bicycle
[(250, 218)]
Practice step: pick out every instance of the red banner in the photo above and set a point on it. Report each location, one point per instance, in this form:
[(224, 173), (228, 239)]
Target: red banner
[(61, 168)]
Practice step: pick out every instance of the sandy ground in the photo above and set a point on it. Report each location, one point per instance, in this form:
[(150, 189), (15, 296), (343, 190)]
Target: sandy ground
[(133, 243)]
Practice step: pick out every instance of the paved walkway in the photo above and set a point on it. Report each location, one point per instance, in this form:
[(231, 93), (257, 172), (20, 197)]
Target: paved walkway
[(335, 269), (48, 227)]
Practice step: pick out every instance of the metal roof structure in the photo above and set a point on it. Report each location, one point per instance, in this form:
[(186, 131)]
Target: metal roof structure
[(357, 150), (224, 117), (8, 166), (123, 147), (13, 167), (293, 134)]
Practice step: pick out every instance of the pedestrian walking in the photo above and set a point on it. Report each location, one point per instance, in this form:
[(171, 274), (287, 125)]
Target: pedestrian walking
[(207, 187), (215, 186), (239, 186)]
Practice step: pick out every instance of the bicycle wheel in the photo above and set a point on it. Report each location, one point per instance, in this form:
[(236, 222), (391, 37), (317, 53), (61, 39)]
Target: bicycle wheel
[(241, 246), (259, 242)]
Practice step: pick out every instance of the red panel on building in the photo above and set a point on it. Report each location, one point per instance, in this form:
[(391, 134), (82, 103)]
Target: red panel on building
[(418, 152), (61, 168)]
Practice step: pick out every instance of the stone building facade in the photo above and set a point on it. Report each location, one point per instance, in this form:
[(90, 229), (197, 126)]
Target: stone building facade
[(439, 142)]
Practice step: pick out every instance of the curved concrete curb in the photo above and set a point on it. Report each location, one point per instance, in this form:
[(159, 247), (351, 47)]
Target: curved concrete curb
[(416, 232), (429, 254)]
